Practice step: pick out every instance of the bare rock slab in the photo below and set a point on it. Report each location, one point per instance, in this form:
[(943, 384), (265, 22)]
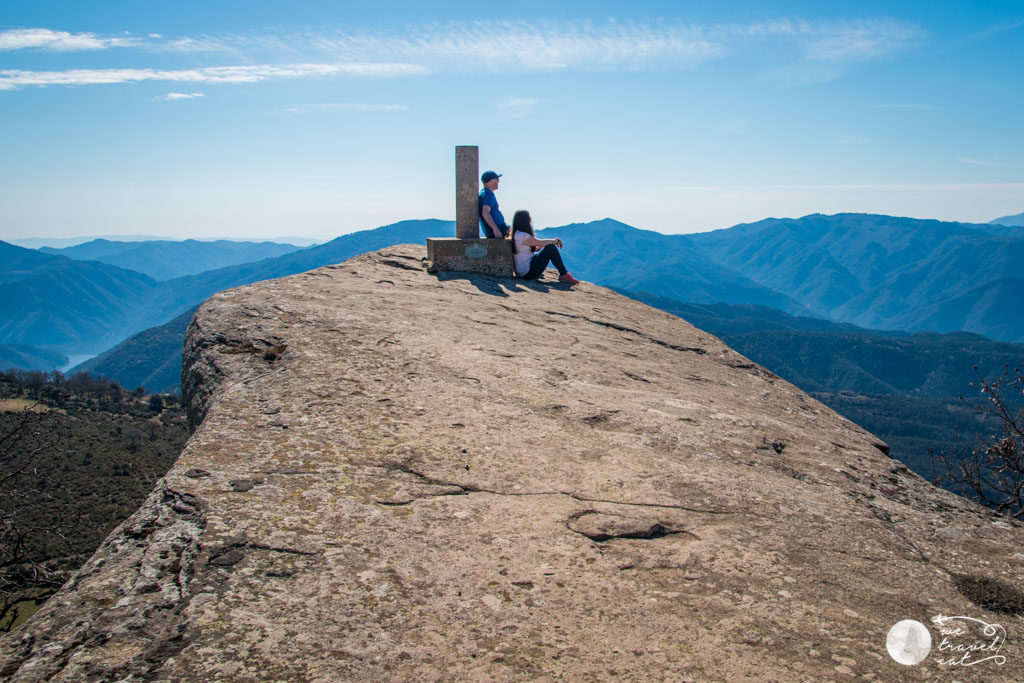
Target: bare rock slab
[(399, 475)]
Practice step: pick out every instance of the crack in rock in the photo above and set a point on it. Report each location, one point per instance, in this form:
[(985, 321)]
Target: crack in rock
[(601, 526), (623, 328), (233, 553), (398, 264), (466, 489)]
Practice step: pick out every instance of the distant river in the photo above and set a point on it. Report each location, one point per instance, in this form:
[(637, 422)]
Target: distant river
[(76, 360)]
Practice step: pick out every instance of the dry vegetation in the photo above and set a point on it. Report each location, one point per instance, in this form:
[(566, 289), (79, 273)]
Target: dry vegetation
[(77, 456)]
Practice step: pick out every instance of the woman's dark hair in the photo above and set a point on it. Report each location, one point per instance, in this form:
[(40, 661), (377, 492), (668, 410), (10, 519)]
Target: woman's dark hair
[(521, 222)]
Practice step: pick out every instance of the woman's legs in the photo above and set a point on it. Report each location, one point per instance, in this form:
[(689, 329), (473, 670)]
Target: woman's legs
[(540, 260)]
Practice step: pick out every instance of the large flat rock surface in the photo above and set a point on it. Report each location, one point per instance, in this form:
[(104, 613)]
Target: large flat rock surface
[(406, 476)]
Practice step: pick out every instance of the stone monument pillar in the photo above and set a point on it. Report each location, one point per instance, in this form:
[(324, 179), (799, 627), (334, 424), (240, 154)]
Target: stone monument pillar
[(467, 252), (467, 189)]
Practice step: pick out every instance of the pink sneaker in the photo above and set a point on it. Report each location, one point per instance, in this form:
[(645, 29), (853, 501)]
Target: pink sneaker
[(568, 278)]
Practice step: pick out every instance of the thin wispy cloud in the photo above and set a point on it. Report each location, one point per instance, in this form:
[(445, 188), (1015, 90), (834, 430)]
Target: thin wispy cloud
[(62, 41), (860, 40), (996, 29), (11, 79), (886, 187), (810, 51), (584, 45), (470, 46), (907, 106), (171, 96), (516, 107), (344, 106), (982, 162), (835, 41), (823, 51)]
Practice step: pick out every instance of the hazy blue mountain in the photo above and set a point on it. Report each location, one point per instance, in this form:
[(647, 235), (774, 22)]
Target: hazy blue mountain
[(617, 255), (823, 356), (82, 307), (28, 357), (18, 262), (67, 305), (874, 271), (1017, 219), (61, 242), (150, 359), (180, 294), (93, 250), (165, 260), (993, 307), (881, 271)]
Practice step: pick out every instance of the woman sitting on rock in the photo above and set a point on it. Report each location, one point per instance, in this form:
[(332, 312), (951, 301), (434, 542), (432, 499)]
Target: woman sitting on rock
[(532, 255)]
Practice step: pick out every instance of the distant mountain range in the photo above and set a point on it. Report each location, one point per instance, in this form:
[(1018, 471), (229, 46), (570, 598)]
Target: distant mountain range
[(62, 242), (29, 357), (879, 272), (884, 272), (85, 307), (1016, 219), (66, 305), (614, 254), (165, 260)]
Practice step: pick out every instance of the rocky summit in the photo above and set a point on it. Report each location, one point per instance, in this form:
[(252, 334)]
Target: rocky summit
[(397, 475)]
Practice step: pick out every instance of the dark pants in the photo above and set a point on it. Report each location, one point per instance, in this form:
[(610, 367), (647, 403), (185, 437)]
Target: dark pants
[(540, 261), (486, 230)]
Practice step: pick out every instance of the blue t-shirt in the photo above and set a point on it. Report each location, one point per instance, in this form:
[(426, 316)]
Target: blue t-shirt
[(487, 198)]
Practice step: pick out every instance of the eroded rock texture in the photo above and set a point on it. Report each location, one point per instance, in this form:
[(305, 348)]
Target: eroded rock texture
[(404, 476)]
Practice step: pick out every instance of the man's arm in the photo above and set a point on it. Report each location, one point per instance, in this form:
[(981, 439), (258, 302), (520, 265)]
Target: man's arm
[(485, 213)]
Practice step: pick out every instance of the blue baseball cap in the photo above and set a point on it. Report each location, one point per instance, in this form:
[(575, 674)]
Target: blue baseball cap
[(488, 176)]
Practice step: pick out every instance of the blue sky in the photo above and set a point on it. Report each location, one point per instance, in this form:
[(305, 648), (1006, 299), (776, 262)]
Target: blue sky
[(269, 119)]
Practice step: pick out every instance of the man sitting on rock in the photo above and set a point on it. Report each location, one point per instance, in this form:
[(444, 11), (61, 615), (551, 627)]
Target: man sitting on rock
[(492, 223)]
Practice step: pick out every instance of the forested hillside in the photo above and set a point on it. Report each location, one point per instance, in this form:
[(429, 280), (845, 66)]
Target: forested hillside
[(150, 359), (78, 455), (879, 272), (68, 306), (883, 271)]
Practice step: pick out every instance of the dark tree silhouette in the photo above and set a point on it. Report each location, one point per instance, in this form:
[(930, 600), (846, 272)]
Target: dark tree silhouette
[(992, 471)]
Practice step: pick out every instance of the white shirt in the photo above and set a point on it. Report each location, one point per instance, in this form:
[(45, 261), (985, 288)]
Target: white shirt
[(523, 253)]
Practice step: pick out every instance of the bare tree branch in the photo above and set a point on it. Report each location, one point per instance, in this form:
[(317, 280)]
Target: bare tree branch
[(992, 472)]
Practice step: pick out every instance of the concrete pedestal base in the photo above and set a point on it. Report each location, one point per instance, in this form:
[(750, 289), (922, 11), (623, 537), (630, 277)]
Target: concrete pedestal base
[(490, 257)]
